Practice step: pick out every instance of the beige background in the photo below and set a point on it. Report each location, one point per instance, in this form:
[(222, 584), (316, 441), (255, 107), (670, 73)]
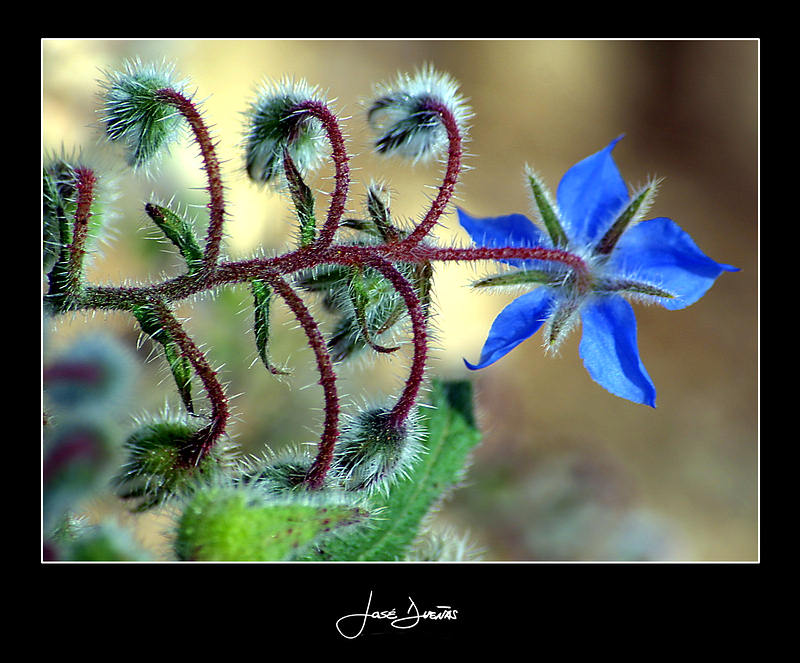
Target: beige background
[(566, 471)]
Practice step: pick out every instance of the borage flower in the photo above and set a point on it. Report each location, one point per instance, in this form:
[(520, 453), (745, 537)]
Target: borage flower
[(625, 258)]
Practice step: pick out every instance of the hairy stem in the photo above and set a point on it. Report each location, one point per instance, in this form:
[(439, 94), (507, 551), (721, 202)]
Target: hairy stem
[(330, 432), (207, 437), (407, 399), (85, 182), (454, 156), (182, 287), (216, 203), (340, 160)]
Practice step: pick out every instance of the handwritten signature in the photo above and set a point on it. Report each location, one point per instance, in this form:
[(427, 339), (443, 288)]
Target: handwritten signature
[(412, 618)]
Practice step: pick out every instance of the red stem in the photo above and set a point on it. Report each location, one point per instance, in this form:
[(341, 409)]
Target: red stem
[(407, 399), (216, 203), (340, 161), (330, 433), (85, 182), (207, 437), (454, 155)]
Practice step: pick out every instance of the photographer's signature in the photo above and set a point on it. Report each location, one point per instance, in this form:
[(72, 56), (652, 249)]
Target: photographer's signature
[(412, 617)]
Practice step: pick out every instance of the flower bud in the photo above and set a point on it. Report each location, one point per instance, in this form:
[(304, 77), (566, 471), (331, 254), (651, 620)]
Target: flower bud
[(60, 200), (406, 114), (274, 124), (134, 114), (223, 521), (279, 472), (373, 453), (157, 467)]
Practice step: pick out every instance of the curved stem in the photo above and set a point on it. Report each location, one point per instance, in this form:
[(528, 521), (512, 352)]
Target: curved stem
[(216, 203), (454, 155), (340, 160), (407, 399), (207, 437), (330, 433)]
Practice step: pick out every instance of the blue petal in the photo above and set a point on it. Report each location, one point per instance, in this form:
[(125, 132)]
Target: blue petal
[(590, 195), (658, 251), (517, 322), (499, 231), (610, 353)]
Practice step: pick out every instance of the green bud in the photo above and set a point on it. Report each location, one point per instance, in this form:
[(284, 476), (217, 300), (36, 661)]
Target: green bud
[(279, 472), (226, 522), (373, 453), (94, 375), (106, 542), (405, 114), (157, 468), (134, 115), (274, 125), (78, 457)]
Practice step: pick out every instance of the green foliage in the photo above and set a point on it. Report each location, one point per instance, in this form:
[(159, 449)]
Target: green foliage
[(151, 324), (106, 542), (179, 231), (367, 492), (158, 467), (134, 115), (227, 522), (450, 435)]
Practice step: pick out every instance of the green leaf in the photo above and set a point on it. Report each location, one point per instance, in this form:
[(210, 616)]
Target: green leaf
[(179, 231), (303, 200), (228, 523), (180, 366), (262, 299), (450, 437)]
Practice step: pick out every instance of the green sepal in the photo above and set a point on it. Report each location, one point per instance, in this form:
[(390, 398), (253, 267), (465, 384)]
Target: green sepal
[(179, 231), (242, 523), (519, 277), (262, 299), (634, 211), (180, 366), (56, 230), (380, 215), (547, 209), (303, 200), (158, 467), (632, 287), (360, 299), (450, 435)]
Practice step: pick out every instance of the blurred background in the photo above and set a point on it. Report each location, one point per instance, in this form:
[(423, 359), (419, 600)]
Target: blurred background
[(566, 471)]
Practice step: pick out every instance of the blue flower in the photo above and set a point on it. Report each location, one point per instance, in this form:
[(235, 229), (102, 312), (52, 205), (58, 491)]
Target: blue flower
[(625, 258)]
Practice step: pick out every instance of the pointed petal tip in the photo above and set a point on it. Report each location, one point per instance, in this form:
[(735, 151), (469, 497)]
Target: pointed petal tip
[(472, 367)]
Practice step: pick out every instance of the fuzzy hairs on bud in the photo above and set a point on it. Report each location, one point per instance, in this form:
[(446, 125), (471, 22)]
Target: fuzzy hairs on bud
[(132, 112), (374, 453), (405, 114), (274, 123)]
